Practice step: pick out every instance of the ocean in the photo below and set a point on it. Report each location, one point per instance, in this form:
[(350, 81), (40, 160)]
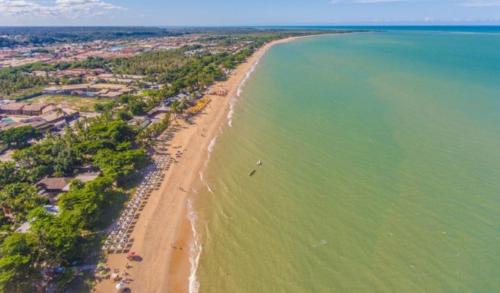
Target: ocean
[(381, 168)]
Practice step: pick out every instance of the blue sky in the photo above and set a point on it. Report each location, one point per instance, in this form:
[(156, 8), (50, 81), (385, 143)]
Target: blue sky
[(253, 12)]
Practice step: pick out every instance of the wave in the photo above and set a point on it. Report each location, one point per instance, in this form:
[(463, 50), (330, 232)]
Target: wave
[(211, 145), (234, 99), (195, 251), (208, 188), (196, 247)]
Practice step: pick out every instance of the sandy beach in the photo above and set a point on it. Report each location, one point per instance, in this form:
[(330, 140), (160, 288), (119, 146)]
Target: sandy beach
[(163, 234)]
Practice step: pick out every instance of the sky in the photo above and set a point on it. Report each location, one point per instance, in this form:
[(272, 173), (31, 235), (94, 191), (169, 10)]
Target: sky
[(247, 13)]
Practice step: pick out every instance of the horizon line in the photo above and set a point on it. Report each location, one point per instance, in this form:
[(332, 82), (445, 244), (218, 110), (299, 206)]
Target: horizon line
[(264, 25)]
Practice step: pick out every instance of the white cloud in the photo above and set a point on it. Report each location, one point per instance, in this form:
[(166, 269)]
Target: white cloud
[(56, 8)]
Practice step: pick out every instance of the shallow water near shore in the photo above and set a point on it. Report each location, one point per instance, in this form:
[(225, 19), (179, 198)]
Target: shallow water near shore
[(381, 169)]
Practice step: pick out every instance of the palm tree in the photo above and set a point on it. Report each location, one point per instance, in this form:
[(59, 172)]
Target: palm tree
[(177, 107)]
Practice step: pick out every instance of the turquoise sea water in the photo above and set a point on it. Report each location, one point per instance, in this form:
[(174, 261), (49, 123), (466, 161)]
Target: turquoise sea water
[(381, 169)]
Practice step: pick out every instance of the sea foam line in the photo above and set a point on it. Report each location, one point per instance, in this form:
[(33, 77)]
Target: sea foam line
[(195, 250), (211, 145), (234, 99), (196, 247)]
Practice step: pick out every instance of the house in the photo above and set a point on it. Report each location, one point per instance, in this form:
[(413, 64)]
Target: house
[(34, 109), (25, 108), (46, 121), (52, 187), (158, 110), (54, 117), (12, 108), (38, 123), (89, 90)]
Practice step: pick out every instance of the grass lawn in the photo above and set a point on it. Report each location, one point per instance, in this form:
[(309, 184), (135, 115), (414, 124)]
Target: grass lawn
[(77, 103)]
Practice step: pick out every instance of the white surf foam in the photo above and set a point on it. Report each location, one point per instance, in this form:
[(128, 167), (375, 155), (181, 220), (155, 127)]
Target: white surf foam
[(196, 247), (208, 188), (195, 250), (233, 101), (211, 145), (210, 149)]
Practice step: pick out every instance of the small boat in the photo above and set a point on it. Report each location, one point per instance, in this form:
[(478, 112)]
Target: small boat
[(259, 163), (252, 173)]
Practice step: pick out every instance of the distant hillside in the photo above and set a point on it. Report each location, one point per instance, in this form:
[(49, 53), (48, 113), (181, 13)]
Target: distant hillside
[(16, 36)]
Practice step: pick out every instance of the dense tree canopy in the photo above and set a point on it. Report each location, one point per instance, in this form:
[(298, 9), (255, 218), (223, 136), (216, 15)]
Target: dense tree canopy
[(14, 80), (120, 164), (55, 240), (18, 263), (20, 136), (20, 198), (85, 203)]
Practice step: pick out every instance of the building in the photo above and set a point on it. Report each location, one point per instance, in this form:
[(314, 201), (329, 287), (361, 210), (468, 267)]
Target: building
[(54, 184), (52, 187), (103, 90), (47, 121), (34, 109), (158, 110), (12, 108), (27, 109)]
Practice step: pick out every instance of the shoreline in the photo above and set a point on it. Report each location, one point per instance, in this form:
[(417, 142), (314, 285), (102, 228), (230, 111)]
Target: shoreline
[(164, 234)]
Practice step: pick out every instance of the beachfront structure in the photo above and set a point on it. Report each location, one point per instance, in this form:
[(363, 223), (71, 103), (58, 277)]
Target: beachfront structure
[(182, 96), (12, 108), (158, 110), (25, 108), (103, 90), (54, 119), (117, 78), (51, 187), (37, 109)]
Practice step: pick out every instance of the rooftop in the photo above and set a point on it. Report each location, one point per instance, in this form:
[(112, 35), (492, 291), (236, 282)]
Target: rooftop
[(54, 183)]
